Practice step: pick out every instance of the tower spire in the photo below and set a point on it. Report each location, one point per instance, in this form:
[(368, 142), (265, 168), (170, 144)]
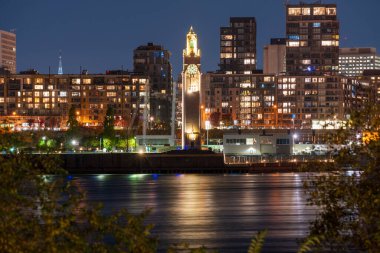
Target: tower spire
[(60, 69)]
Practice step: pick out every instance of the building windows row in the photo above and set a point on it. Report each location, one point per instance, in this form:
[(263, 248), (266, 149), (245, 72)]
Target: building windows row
[(316, 11)]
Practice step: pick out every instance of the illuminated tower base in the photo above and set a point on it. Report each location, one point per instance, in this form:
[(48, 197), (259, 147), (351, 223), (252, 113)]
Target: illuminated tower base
[(191, 138)]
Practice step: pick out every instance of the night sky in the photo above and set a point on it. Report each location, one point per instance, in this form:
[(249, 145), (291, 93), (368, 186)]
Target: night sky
[(100, 35)]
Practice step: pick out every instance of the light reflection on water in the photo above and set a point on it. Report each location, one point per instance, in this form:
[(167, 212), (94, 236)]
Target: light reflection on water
[(219, 211)]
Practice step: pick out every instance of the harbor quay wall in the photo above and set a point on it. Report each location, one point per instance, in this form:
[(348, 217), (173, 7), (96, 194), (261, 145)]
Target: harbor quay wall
[(129, 163)]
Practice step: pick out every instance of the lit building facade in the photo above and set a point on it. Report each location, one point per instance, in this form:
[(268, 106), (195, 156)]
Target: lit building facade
[(272, 101), (191, 88), (8, 51), (43, 101), (312, 33), (154, 61), (238, 46), (275, 57), (353, 61), (371, 79)]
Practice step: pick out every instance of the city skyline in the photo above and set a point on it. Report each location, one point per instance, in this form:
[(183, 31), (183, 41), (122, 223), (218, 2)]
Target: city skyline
[(101, 37)]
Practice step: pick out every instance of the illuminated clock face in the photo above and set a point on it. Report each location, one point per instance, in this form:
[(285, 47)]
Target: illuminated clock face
[(192, 69)]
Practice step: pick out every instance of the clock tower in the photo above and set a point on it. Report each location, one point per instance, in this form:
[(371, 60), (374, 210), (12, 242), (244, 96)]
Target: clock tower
[(191, 85)]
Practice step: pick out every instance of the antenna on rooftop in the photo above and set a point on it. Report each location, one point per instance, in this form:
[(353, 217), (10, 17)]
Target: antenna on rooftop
[(60, 68)]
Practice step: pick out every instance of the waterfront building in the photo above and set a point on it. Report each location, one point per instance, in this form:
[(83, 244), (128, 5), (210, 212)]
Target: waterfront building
[(271, 101), (154, 143), (353, 61), (154, 61), (275, 57), (271, 145), (191, 88), (312, 33), (258, 143), (8, 51), (38, 101), (238, 46)]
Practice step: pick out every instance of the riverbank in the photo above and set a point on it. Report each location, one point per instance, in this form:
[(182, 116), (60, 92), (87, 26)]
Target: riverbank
[(131, 163)]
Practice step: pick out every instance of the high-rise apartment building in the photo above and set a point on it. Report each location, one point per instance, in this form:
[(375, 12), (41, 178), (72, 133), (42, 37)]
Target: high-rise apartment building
[(353, 61), (8, 51), (154, 61), (312, 32), (238, 46), (275, 56)]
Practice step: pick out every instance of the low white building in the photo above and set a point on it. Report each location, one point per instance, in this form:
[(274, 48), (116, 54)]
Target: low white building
[(258, 143)]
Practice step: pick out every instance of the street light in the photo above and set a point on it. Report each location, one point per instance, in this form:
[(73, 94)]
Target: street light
[(74, 143), (295, 136), (208, 126)]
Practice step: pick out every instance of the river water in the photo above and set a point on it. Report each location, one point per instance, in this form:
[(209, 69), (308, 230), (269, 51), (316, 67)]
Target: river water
[(218, 211)]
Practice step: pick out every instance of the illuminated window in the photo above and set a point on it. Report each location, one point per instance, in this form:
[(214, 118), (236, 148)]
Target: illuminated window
[(249, 61), (303, 43), (305, 11), (27, 81), (327, 43), (38, 87), (142, 81), (45, 94), (75, 81), (227, 43), (227, 37), (1, 100), (63, 94), (293, 43), (163, 91), (75, 94), (247, 72), (331, 11), (87, 81), (226, 55), (46, 100), (306, 61), (268, 98), (110, 87), (268, 78), (316, 24), (294, 11), (50, 87), (293, 37), (319, 11), (39, 80), (111, 94), (36, 93)]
